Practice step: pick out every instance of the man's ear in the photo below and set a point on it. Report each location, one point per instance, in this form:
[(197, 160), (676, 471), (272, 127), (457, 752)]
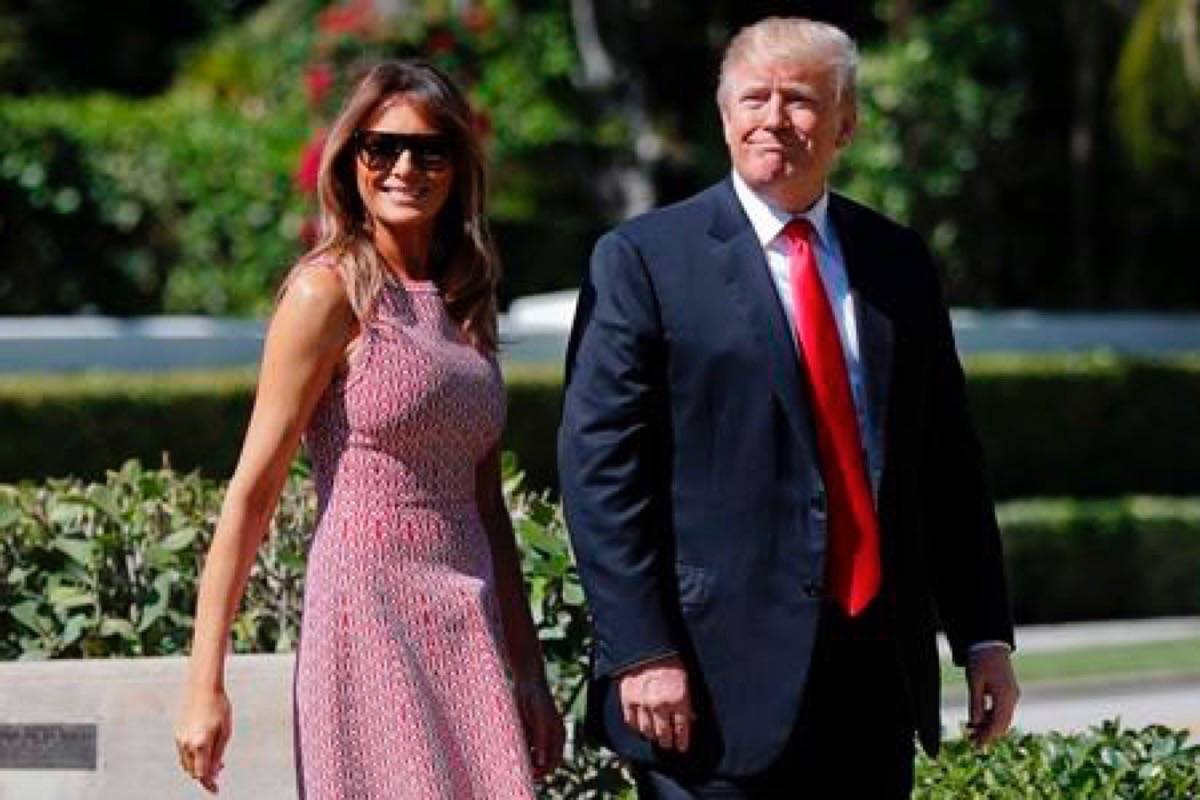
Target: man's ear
[(848, 127), (724, 121)]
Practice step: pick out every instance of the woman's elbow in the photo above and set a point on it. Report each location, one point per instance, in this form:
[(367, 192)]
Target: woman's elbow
[(252, 500)]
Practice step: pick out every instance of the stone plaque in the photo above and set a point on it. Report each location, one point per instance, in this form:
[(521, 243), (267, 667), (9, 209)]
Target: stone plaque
[(48, 746)]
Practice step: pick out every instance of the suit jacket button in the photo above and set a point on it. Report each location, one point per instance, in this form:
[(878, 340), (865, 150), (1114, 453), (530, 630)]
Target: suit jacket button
[(813, 589)]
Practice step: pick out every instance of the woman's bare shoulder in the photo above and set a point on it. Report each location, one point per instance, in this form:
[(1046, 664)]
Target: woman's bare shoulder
[(315, 294)]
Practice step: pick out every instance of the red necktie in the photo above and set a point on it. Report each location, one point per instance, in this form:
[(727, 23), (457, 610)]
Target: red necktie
[(853, 569)]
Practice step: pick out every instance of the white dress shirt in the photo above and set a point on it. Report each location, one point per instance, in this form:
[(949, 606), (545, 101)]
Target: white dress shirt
[(768, 223)]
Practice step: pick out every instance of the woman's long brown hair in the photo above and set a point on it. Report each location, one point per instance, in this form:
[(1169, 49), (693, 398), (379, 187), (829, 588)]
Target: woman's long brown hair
[(462, 259)]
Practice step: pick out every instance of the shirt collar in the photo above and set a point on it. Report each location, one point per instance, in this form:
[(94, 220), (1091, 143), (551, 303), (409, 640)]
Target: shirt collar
[(768, 221)]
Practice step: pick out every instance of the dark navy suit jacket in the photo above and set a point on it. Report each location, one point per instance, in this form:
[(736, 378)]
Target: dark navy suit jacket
[(690, 480)]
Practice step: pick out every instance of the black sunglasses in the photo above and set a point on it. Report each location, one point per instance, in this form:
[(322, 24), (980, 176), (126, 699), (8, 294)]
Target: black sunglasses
[(379, 150)]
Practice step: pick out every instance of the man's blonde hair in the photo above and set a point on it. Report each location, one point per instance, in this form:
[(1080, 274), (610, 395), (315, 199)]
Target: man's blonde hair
[(791, 40)]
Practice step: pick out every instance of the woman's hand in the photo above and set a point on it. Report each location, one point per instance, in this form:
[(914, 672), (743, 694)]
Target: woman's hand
[(202, 730), (543, 726)]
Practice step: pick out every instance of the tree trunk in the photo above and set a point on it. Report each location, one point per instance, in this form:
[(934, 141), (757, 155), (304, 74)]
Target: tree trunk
[(1083, 18), (624, 92), (901, 15)]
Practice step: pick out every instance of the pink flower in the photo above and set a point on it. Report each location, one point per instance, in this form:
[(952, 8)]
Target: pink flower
[(478, 19), (440, 41), (354, 17), (483, 124), (310, 163), (309, 233), (318, 80)]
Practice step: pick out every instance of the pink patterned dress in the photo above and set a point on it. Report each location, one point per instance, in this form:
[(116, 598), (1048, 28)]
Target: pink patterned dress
[(401, 689)]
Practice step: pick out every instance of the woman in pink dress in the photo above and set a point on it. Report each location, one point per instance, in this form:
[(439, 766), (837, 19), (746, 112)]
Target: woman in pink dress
[(419, 673)]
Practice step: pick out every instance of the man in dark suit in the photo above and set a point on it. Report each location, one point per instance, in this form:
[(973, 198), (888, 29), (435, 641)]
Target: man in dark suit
[(770, 478)]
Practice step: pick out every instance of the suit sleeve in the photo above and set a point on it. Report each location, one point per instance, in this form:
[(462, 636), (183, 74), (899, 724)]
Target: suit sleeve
[(968, 572), (611, 456)]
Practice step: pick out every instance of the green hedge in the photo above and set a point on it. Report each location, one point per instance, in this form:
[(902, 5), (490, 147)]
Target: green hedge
[(1085, 426), (1102, 559), (110, 569), (1096, 425), (80, 425), (134, 207)]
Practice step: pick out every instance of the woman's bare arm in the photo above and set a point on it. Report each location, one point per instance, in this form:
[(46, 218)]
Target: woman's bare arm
[(524, 650), (306, 340), (543, 724)]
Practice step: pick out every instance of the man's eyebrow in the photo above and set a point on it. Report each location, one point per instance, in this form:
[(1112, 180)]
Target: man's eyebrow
[(797, 87), (746, 86)]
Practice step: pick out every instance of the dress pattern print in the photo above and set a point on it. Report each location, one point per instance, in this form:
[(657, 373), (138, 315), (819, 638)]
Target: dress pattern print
[(401, 689)]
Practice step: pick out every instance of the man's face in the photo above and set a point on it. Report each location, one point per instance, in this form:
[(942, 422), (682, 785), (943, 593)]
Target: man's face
[(784, 126)]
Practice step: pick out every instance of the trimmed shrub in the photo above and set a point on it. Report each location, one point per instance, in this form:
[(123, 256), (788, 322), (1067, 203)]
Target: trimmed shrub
[(1080, 426), (534, 409), (1127, 557), (80, 425), (1088, 425)]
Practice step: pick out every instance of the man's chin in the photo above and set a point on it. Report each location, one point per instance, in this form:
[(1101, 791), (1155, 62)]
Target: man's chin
[(773, 180)]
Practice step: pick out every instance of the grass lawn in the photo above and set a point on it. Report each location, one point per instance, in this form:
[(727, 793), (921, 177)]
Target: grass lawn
[(1096, 664)]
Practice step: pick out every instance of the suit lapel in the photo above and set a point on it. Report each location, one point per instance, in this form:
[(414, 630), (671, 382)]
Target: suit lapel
[(744, 265), (876, 337)]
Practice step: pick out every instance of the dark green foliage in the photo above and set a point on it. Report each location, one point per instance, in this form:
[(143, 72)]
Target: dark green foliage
[(560, 614), (1070, 426), (1107, 763), (993, 128), (111, 568), (133, 208), (81, 425), (1067, 560), (134, 47), (58, 426), (534, 408), (92, 570), (938, 111), (1126, 557), (1087, 426)]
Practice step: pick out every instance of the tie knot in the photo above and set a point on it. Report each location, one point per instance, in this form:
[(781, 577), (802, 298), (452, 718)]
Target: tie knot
[(798, 231)]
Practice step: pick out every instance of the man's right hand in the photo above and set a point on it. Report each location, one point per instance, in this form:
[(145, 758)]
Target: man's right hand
[(655, 702)]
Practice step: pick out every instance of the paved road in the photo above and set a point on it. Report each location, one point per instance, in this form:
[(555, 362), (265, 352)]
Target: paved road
[(1171, 701), (534, 331), (1175, 704), (1077, 635)]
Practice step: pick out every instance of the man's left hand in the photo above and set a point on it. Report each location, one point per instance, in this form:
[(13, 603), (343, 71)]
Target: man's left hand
[(993, 694)]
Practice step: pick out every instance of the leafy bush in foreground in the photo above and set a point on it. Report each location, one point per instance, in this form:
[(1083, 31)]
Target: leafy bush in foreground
[(1107, 763), (110, 569)]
